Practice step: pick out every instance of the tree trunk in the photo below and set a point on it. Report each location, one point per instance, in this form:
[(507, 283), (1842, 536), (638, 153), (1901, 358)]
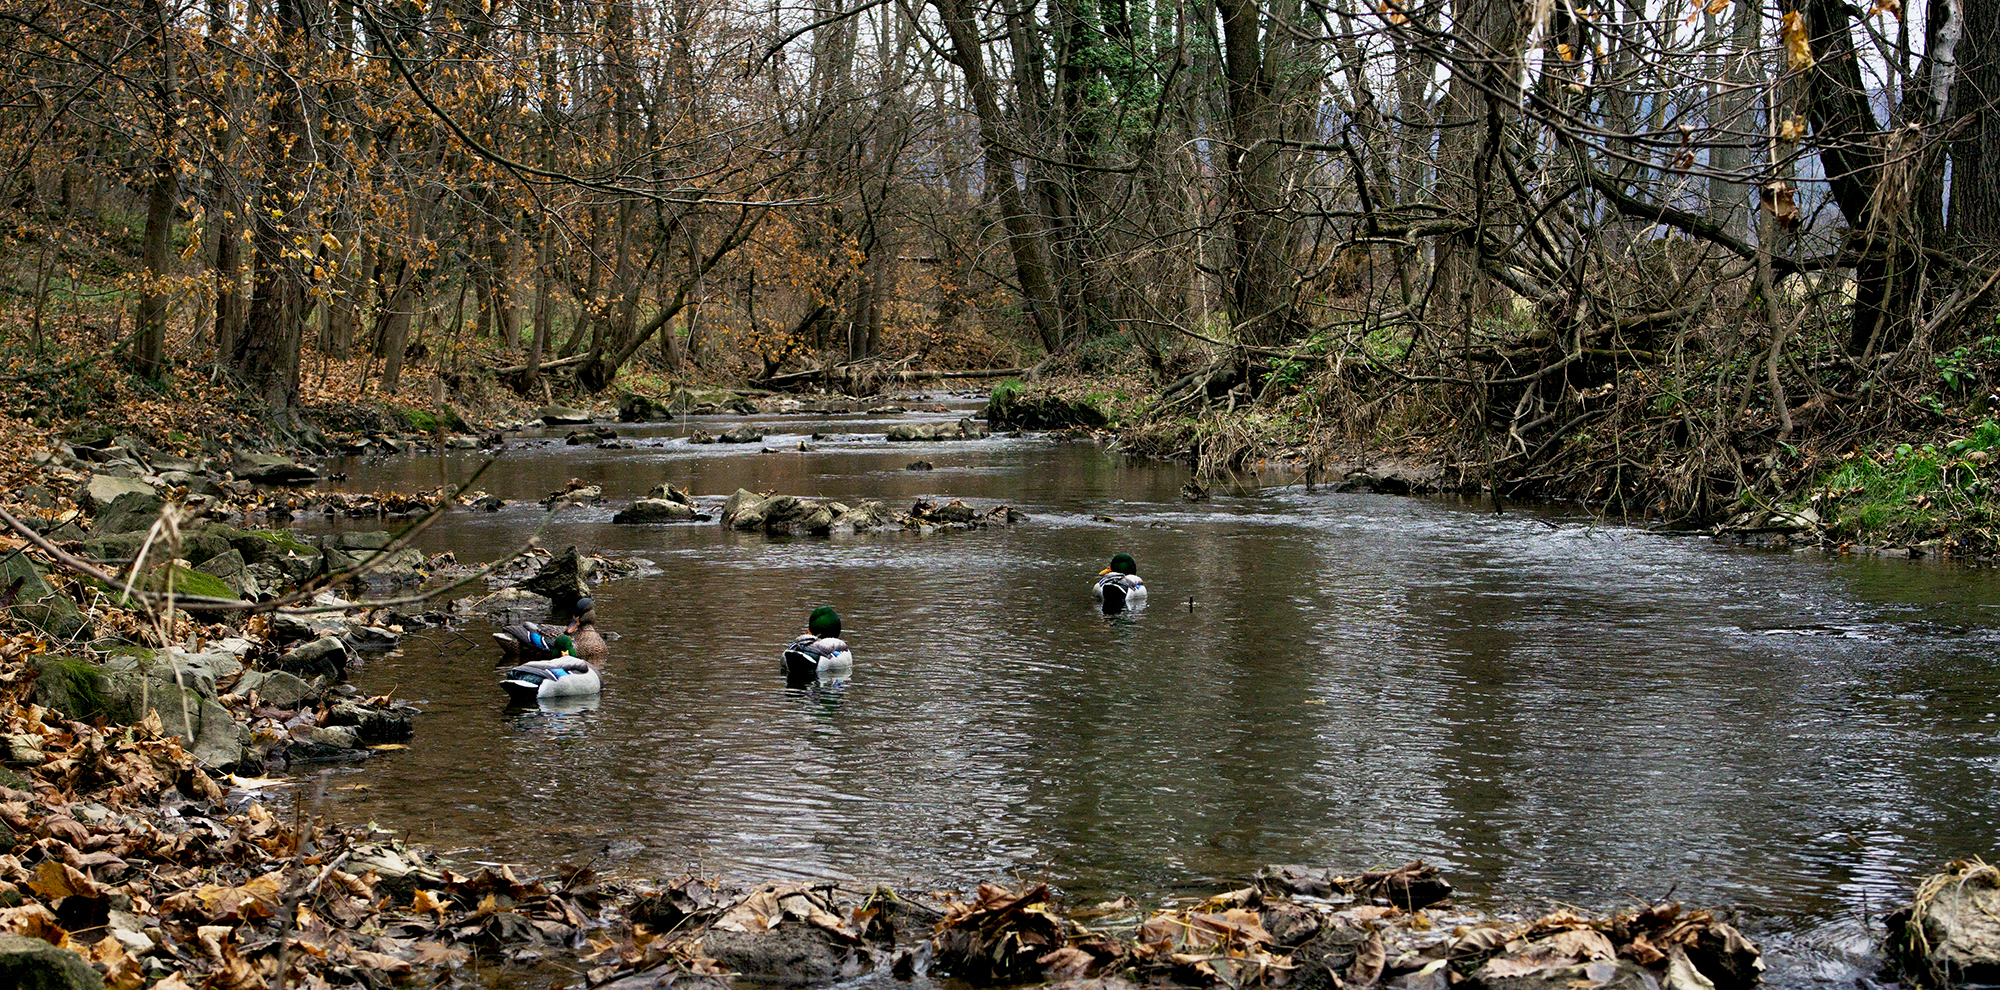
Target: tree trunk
[(1024, 235), (268, 352), (148, 354)]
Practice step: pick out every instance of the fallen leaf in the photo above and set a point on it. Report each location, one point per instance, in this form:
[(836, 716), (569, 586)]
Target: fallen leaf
[(54, 880)]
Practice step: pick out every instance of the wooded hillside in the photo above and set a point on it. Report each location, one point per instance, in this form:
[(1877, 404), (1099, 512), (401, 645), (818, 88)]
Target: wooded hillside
[(1710, 229)]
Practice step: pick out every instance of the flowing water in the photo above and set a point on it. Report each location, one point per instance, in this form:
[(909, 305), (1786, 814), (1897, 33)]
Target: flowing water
[(1548, 707)]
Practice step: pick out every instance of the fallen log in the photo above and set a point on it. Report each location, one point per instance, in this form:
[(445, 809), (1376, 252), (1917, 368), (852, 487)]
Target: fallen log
[(845, 373), (518, 369)]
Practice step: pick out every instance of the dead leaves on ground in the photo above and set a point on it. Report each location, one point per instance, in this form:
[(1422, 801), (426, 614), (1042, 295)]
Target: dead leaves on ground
[(124, 852)]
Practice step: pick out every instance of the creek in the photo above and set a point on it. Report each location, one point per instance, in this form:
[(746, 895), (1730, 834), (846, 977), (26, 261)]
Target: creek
[(1549, 707)]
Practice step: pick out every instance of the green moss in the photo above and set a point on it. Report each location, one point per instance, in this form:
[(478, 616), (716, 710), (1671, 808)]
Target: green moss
[(71, 686), (421, 420)]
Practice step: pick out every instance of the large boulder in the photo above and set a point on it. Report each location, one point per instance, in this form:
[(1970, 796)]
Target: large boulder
[(231, 570), (564, 416), (276, 688), (561, 580), (347, 551), (746, 510), (83, 690), (636, 408), (288, 558), (272, 469), (323, 657), (1395, 476), (200, 672), (26, 594), (130, 511), (101, 490), (964, 429), (744, 433), (32, 964), (656, 510)]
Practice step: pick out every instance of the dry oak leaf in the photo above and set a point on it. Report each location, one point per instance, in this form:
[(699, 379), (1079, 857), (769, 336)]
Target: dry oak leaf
[(122, 970), (1798, 48), (34, 921), (55, 880), (428, 902), (256, 899)]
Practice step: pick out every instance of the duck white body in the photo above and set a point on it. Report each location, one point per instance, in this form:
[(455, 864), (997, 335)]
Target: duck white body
[(1119, 585), (812, 656), (557, 677), (1115, 588)]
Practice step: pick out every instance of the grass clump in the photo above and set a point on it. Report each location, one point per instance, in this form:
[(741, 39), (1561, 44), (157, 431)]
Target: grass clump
[(1904, 492)]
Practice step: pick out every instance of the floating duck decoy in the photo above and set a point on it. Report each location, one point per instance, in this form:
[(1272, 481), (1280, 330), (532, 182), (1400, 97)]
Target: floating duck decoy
[(1119, 585), (562, 675), (820, 652), (536, 640)]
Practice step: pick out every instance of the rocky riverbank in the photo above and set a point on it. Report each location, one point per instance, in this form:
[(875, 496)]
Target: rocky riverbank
[(158, 799)]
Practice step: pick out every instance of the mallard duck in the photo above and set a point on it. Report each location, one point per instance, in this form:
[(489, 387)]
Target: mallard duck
[(563, 675), (820, 652), (1119, 585), (529, 641)]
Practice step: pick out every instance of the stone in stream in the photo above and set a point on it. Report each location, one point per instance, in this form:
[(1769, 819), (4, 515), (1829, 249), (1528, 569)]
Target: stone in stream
[(564, 416), (657, 510), (1949, 935)]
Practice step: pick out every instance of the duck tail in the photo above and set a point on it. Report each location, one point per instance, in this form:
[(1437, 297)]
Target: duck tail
[(1114, 596)]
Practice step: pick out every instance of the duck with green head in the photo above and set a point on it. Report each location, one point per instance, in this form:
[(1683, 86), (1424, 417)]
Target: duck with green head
[(819, 652), (536, 640), (1119, 585), (562, 675)]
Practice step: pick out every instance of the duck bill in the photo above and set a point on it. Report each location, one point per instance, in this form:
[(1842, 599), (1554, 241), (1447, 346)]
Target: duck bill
[(1104, 572)]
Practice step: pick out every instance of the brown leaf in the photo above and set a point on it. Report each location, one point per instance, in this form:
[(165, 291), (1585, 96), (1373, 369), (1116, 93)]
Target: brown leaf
[(377, 961), (428, 902), (34, 921), (55, 880), (1066, 963), (440, 954), (1798, 47), (256, 899), (1368, 963), (122, 970)]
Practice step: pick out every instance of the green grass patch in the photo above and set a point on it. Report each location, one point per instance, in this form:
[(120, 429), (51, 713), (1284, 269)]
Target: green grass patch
[(1904, 491)]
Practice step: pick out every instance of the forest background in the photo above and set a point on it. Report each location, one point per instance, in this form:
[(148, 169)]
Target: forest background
[(1675, 258)]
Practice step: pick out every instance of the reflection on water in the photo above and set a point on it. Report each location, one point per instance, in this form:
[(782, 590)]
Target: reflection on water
[(1545, 706)]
